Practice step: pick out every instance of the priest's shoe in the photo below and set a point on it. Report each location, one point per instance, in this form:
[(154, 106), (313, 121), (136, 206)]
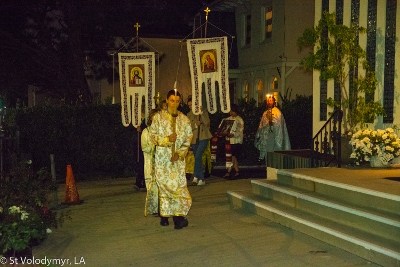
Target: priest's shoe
[(164, 221), (180, 222)]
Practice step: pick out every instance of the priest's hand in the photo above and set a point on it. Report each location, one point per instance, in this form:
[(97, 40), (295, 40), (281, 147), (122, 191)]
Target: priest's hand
[(172, 137), (174, 157)]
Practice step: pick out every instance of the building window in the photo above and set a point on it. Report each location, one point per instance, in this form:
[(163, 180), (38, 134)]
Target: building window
[(337, 92), (276, 96), (260, 93), (355, 17), (389, 69), (323, 108), (371, 41), (268, 22), (247, 34), (339, 12), (274, 84)]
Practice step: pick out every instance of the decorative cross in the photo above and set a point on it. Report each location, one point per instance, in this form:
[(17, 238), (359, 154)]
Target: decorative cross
[(207, 10), (137, 28)]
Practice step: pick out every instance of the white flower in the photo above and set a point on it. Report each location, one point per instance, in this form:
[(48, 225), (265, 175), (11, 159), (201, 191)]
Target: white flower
[(24, 215), (382, 143), (366, 140), (388, 148), (14, 209), (48, 231)]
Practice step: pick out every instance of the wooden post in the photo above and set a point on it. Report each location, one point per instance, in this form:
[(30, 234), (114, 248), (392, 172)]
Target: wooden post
[(174, 130)]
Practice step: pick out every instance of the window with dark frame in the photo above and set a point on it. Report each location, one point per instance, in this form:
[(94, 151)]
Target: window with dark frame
[(337, 92), (248, 30), (268, 21), (390, 60), (371, 40), (323, 107)]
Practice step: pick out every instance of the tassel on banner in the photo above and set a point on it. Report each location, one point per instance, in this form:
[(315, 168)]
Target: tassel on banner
[(71, 192)]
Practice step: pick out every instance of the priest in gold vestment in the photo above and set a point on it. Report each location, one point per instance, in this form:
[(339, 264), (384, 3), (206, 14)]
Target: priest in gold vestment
[(172, 134)]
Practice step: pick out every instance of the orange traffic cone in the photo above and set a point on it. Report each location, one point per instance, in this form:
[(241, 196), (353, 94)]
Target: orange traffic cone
[(71, 192)]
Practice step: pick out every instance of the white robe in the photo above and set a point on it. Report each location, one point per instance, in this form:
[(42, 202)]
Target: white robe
[(151, 206), (272, 138)]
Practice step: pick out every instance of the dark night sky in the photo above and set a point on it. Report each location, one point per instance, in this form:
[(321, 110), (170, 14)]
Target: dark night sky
[(158, 18), (171, 19)]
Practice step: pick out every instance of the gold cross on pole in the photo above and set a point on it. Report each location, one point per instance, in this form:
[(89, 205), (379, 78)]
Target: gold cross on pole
[(207, 10), (137, 28)]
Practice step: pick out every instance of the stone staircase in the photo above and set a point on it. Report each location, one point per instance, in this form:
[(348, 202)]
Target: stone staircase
[(360, 221)]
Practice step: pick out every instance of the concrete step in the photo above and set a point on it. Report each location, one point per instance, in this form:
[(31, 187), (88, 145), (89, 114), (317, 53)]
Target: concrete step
[(365, 244), (360, 197), (383, 224)]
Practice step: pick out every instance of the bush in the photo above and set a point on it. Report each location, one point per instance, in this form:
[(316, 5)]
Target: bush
[(25, 216), (298, 116), (93, 140)]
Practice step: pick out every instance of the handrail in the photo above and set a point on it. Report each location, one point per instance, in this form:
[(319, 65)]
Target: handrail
[(326, 144)]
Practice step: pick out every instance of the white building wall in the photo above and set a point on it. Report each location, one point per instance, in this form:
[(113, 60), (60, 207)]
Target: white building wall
[(380, 59), (317, 123)]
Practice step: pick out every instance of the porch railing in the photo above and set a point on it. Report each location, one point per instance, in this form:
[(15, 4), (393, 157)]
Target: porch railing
[(326, 144)]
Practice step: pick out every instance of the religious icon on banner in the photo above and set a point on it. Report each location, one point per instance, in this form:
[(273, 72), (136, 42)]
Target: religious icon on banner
[(136, 75), (208, 60)]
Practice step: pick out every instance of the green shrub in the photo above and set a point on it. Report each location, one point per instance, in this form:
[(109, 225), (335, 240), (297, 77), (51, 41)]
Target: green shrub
[(93, 140), (25, 215)]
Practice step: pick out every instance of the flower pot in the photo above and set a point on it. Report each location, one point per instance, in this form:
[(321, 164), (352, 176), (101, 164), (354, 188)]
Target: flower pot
[(377, 163), (396, 160), (346, 150)]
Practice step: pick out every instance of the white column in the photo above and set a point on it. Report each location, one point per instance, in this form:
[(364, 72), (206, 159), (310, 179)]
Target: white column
[(317, 124)]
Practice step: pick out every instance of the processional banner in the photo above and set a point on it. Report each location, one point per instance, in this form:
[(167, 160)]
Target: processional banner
[(208, 62), (137, 79)]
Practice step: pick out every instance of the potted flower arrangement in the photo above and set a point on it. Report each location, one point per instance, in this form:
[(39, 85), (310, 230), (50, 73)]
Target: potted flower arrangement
[(375, 145), (21, 227), (25, 218)]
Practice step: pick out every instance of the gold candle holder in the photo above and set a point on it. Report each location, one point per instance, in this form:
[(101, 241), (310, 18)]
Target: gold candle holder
[(174, 115)]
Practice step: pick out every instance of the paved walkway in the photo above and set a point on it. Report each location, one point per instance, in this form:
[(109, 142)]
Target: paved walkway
[(109, 229)]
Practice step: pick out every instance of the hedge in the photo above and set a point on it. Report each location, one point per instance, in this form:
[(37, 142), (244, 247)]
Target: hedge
[(93, 140)]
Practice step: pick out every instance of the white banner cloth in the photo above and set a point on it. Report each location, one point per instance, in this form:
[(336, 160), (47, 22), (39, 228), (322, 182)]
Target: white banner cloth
[(208, 62), (137, 79)]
